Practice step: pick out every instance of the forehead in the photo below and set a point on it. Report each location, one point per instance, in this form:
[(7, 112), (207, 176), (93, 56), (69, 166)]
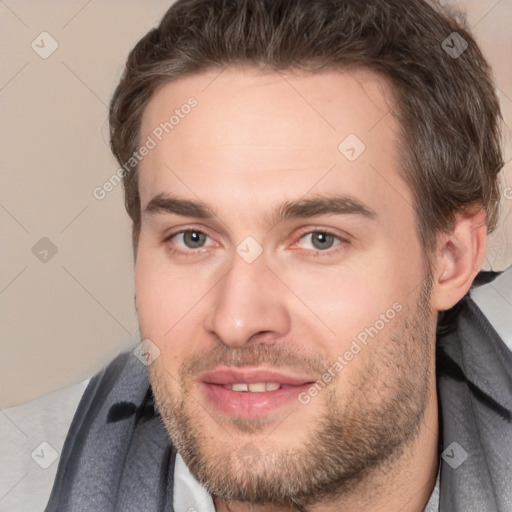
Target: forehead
[(267, 134)]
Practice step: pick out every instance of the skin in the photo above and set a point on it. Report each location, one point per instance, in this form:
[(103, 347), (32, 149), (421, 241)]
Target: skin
[(255, 140)]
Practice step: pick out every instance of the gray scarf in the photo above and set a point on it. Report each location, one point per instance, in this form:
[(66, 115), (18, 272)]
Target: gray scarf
[(117, 457)]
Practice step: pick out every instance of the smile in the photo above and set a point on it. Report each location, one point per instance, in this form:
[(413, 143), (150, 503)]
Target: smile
[(251, 392), (257, 387)]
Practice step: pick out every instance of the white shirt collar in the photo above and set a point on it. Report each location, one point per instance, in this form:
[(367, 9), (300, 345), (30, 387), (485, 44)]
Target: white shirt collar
[(189, 494)]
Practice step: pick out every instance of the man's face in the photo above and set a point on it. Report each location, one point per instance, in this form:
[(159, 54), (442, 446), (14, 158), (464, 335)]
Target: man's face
[(296, 342)]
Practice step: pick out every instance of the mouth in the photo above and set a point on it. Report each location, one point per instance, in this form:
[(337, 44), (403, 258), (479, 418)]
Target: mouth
[(251, 392)]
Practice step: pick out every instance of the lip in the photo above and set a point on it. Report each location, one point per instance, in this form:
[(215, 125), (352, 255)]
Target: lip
[(227, 375), (246, 404)]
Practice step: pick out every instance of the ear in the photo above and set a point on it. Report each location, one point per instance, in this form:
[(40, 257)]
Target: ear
[(458, 260)]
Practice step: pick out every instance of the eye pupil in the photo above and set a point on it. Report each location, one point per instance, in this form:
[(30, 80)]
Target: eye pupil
[(193, 239), (324, 239)]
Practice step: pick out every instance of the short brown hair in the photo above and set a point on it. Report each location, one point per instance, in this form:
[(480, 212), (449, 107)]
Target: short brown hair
[(446, 103)]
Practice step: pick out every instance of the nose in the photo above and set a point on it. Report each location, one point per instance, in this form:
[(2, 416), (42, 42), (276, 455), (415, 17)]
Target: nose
[(249, 305)]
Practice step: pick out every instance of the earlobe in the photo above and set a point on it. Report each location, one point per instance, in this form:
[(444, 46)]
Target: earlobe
[(459, 257)]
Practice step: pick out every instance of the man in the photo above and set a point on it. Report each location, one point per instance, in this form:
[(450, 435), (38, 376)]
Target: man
[(310, 184)]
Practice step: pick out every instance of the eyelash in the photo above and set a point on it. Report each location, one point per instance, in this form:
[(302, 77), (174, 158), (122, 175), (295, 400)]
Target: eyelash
[(315, 253)]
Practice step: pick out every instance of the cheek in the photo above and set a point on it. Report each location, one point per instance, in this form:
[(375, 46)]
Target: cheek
[(352, 310), (169, 306), (151, 292), (339, 303), (159, 300)]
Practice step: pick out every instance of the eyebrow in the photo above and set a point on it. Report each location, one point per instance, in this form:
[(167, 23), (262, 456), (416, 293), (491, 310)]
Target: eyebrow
[(337, 204)]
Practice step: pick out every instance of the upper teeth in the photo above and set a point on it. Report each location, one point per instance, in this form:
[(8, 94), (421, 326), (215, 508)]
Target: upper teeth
[(254, 387)]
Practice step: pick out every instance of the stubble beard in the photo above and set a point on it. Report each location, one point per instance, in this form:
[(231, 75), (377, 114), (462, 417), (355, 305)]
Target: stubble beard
[(351, 439)]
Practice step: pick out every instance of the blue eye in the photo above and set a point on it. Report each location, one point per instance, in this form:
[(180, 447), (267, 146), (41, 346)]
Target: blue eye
[(192, 239), (190, 242), (321, 241)]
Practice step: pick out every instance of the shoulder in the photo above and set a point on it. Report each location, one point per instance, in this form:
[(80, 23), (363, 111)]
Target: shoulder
[(33, 434), (474, 367), (494, 299), (100, 432)]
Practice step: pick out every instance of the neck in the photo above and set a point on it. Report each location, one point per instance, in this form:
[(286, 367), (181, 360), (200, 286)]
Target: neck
[(405, 484)]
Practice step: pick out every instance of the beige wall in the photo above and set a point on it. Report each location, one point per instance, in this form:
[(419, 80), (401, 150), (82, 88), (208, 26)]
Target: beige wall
[(64, 318)]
